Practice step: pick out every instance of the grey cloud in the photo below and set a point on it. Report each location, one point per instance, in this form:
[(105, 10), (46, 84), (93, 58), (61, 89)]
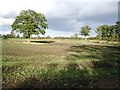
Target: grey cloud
[(103, 12), (89, 13), (70, 16), (97, 12), (11, 14), (60, 24), (5, 29)]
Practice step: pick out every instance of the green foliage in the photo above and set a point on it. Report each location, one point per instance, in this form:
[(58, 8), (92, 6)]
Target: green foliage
[(85, 31), (30, 22), (106, 32), (13, 34), (72, 37), (75, 36), (8, 36), (18, 36), (25, 35), (92, 38), (102, 31), (117, 28), (48, 37), (5, 37), (0, 36)]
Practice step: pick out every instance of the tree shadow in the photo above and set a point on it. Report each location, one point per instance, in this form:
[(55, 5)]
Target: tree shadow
[(103, 75), (42, 41), (35, 82), (31, 83), (73, 57), (72, 77), (106, 66), (69, 77), (107, 54)]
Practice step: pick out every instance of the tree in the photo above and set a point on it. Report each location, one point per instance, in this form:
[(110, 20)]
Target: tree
[(18, 36), (30, 22), (48, 37), (117, 28), (5, 37), (75, 36), (103, 31), (25, 35), (108, 32), (85, 31), (12, 34), (0, 35)]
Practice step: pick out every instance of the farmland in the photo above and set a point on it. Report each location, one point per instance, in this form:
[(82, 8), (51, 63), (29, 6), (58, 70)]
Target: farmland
[(60, 63)]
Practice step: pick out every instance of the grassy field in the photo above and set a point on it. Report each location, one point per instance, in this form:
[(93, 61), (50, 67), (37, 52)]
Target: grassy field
[(63, 63)]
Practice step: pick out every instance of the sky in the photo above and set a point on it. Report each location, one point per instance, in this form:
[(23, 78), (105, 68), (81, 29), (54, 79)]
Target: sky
[(65, 17)]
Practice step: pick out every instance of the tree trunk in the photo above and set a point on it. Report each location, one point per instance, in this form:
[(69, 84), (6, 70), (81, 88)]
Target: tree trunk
[(28, 40), (29, 37), (85, 38)]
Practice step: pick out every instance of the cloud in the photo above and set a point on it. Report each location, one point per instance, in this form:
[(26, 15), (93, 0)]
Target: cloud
[(4, 21), (69, 16), (88, 0), (63, 16), (10, 14), (54, 33), (62, 24), (100, 12), (5, 29)]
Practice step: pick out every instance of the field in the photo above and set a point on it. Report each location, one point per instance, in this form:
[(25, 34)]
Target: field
[(64, 63)]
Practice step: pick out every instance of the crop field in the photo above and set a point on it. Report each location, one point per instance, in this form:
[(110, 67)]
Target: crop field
[(60, 63)]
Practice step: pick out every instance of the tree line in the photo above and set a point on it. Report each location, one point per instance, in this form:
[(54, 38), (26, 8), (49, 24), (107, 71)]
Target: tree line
[(30, 22), (104, 32)]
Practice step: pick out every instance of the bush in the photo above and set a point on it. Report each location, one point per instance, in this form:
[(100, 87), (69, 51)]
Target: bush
[(5, 37), (92, 38), (48, 37)]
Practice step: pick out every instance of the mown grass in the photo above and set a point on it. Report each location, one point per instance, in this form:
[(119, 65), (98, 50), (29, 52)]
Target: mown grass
[(60, 64)]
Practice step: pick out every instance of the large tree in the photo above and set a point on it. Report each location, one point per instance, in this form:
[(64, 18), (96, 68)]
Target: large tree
[(30, 22), (107, 32), (117, 27), (103, 31), (85, 31)]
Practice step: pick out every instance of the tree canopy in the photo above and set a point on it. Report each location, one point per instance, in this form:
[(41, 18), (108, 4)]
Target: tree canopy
[(30, 22), (107, 32), (85, 31), (117, 26), (103, 30)]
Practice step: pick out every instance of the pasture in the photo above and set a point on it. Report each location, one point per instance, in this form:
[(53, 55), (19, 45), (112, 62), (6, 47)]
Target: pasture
[(60, 63)]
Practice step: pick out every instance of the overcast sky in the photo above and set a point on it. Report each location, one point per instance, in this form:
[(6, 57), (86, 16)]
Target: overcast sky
[(65, 17)]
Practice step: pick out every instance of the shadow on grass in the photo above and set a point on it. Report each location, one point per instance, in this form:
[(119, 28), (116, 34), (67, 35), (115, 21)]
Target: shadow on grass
[(106, 67), (42, 41), (70, 77), (74, 57), (104, 72), (107, 54), (31, 82)]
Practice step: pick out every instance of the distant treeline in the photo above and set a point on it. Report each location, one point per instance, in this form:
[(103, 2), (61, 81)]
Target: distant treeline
[(108, 32), (104, 32), (79, 38)]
